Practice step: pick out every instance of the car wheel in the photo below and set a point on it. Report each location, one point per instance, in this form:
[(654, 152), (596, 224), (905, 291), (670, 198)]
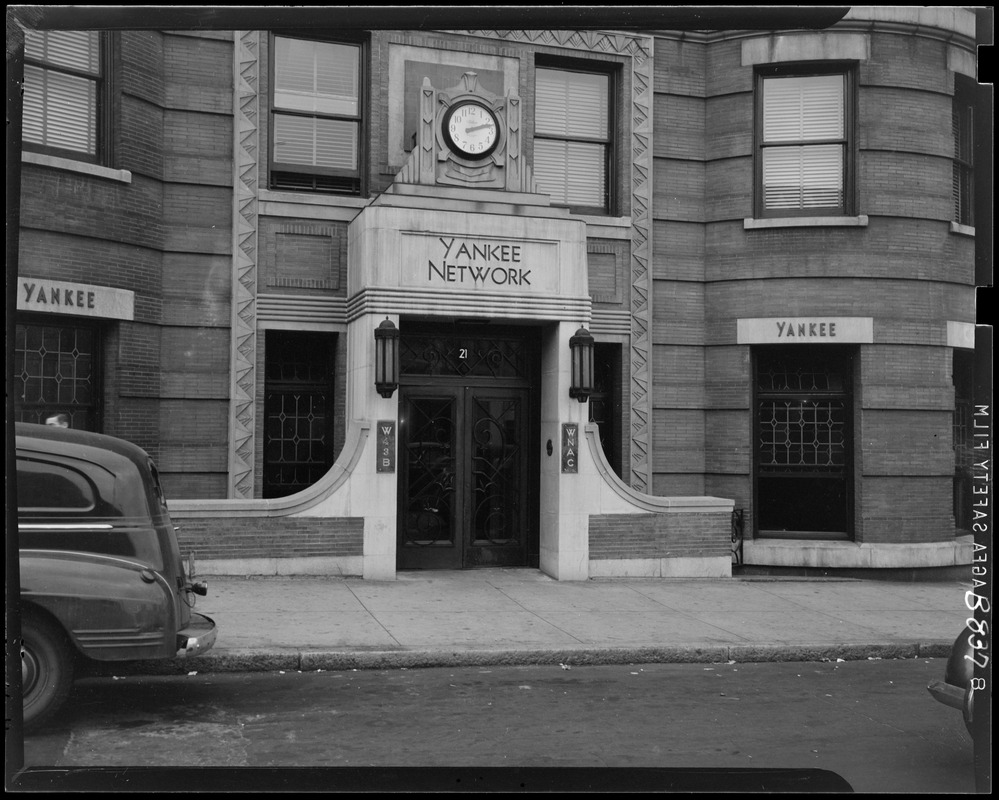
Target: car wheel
[(46, 669)]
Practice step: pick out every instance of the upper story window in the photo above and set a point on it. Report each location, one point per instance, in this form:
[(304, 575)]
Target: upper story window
[(804, 159), (66, 94), (573, 138), (316, 116), (964, 142)]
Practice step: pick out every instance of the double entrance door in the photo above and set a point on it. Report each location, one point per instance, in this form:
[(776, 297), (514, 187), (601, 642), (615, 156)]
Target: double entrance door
[(467, 452)]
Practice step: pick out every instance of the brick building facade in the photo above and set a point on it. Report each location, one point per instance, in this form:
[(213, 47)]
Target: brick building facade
[(805, 361)]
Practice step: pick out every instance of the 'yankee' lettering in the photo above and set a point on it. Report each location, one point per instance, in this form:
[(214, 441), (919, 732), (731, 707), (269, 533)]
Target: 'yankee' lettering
[(65, 297), (806, 330)]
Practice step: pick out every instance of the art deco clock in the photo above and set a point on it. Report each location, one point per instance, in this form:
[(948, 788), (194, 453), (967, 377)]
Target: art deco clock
[(470, 129)]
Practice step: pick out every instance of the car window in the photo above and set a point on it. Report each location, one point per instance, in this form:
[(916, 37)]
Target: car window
[(157, 486), (44, 486), (60, 508)]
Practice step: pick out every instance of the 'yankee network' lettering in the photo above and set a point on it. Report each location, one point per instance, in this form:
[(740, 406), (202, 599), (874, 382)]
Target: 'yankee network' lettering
[(480, 264)]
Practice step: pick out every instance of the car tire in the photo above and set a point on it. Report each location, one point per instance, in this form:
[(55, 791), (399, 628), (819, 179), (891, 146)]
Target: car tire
[(46, 669)]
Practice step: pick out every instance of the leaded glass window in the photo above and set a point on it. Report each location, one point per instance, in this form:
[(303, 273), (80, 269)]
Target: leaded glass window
[(56, 372), (299, 418)]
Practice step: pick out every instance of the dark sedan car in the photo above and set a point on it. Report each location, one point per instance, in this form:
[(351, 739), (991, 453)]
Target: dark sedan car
[(101, 572)]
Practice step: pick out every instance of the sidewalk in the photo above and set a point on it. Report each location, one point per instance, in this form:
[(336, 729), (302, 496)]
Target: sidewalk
[(521, 616)]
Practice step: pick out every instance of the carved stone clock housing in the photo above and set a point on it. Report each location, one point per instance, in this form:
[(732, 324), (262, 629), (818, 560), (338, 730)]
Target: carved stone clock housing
[(468, 137)]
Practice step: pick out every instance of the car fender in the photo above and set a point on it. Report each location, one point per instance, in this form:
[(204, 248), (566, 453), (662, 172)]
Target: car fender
[(111, 608)]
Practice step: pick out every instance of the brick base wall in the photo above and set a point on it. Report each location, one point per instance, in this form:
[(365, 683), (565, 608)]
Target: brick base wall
[(624, 536), (270, 537)]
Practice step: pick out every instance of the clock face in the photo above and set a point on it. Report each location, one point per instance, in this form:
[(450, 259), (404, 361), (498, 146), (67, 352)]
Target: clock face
[(471, 130)]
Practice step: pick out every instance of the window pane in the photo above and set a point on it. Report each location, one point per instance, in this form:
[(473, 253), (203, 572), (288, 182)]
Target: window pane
[(573, 173), (311, 141), (320, 77), (572, 104), (803, 109), (53, 487), (60, 110), (79, 50), (803, 177), (55, 371)]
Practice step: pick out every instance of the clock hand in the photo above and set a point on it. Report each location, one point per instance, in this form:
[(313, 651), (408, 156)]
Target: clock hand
[(478, 127)]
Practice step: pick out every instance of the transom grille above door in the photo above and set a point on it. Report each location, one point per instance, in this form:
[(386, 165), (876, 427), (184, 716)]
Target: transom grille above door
[(477, 353)]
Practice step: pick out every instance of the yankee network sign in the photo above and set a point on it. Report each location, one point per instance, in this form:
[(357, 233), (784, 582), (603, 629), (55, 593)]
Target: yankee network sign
[(441, 261)]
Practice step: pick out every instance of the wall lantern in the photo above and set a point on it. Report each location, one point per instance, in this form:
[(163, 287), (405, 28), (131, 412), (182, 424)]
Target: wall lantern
[(386, 358), (581, 355)]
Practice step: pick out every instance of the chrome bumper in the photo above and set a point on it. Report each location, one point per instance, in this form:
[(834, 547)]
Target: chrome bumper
[(197, 638), (947, 693)]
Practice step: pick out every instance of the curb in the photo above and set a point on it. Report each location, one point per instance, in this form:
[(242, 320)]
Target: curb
[(333, 660)]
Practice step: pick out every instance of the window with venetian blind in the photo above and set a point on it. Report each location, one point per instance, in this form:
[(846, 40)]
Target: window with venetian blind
[(65, 87), (964, 168), (572, 138), (315, 116), (803, 165)]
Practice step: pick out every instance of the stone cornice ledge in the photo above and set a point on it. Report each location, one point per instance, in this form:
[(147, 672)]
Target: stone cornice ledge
[(648, 502), (860, 221), (83, 167), (357, 435)]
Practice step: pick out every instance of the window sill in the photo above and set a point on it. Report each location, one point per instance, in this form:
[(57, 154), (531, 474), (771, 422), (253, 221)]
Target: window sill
[(82, 167), (962, 230), (330, 207), (605, 227), (806, 222)]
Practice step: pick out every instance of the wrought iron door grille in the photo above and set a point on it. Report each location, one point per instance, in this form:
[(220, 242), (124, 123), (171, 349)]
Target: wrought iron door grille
[(496, 470), (802, 434), (431, 469)]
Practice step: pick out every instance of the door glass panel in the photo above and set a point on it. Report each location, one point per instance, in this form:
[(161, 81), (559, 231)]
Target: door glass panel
[(430, 469), (496, 471)]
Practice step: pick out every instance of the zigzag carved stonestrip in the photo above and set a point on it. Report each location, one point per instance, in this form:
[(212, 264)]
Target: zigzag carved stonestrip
[(243, 333), (641, 203), (640, 49)]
